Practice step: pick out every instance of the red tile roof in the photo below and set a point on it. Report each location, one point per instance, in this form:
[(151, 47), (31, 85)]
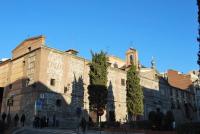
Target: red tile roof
[(178, 80)]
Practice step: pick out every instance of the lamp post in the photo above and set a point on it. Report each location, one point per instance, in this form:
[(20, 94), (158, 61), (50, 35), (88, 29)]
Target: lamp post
[(9, 103)]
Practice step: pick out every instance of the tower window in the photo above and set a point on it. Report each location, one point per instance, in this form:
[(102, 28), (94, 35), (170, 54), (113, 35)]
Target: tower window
[(52, 82), (131, 58)]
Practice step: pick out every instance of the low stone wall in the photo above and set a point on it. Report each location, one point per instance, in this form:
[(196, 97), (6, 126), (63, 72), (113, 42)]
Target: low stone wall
[(137, 131), (124, 130)]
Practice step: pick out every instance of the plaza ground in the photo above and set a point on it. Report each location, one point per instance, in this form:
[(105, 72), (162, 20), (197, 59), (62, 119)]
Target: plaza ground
[(30, 130)]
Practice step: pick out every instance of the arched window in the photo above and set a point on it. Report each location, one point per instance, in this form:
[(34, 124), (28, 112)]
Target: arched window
[(131, 58)]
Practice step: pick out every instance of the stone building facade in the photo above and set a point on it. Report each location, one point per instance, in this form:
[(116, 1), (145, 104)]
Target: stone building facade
[(47, 82), (155, 90), (182, 96)]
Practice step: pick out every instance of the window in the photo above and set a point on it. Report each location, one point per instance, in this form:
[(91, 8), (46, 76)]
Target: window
[(171, 92), (65, 89), (24, 63), (123, 82), (156, 76), (176, 93), (162, 91), (10, 86), (182, 94), (34, 85), (172, 104), (27, 82), (29, 49), (58, 102), (178, 104), (185, 95), (131, 58), (52, 82)]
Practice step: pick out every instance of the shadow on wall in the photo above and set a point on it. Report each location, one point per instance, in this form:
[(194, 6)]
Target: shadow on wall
[(110, 109), (77, 101), (1, 97), (154, 100), (38, 99), (109, 112)]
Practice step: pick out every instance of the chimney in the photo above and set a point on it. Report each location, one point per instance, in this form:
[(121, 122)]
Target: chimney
[(72, 51)]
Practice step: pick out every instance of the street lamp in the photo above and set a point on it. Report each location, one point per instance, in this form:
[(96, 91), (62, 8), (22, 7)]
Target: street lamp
[(10, 103)]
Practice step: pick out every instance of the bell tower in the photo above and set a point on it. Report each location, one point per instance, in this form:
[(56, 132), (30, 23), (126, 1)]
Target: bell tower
[(132, 57)]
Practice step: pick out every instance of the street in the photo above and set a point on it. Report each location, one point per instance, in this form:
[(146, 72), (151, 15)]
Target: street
[(43, 131), (28, 130)]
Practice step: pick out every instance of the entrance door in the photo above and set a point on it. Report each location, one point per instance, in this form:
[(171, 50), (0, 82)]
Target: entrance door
[(1, 97), (112, 116)]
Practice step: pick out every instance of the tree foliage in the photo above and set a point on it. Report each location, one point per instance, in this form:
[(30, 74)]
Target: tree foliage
[(198, 38), (97, 89), (134, 92)]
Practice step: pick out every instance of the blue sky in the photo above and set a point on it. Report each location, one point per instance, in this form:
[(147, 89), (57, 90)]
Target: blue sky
[(165, 29)]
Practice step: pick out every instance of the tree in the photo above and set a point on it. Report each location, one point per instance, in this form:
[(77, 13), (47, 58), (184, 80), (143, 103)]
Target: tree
[(198, 38), (97, 89), (134, 93)]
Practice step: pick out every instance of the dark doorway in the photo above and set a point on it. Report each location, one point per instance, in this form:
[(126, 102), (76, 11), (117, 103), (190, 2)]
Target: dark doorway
[(112, 116), (1, 97)]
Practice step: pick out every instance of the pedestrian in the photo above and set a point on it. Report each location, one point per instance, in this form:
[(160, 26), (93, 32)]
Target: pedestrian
[(159, 118), (16, 119), (9, 119), (47, 122), (3, 117), (174, 125), (54, 120), (23, 118), (41, 122), (34, 122), (83, 125)]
